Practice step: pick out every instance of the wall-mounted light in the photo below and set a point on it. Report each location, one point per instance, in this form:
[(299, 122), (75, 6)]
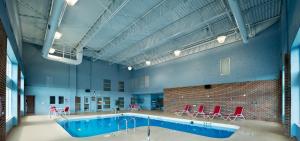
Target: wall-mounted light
[(148, 63), (244, 95), (129, 68), (221, 39), (57, 35), (177, 53), (71, 2), (51, 50)]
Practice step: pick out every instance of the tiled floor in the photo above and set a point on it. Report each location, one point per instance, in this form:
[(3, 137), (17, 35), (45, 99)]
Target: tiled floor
[(41, 128)]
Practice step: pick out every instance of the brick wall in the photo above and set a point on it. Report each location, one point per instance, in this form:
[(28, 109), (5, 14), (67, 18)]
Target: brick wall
[(260, 99), (287, 94), (2, 80)]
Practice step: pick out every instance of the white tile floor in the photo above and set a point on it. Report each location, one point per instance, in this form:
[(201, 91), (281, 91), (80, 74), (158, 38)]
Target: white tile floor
[(41, 128)]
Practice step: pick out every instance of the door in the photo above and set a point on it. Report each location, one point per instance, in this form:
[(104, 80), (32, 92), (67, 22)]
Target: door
[(77, 104), (30, 102)]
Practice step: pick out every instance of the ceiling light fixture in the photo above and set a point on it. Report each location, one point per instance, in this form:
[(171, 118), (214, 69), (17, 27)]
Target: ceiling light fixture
[(51, 50), (148, 63), (57, 35), (221, 39), (129, 68), (71, 2), (177, 53)]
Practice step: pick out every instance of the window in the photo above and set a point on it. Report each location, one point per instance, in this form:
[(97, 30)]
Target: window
[(99, 103), (8, 103), (77, 103), (8, 89), (121, 102), (133, 100), (86, 104), (121, 86), (106, 85), (106, 102), (225, 66), (60, 100), (52, 100)]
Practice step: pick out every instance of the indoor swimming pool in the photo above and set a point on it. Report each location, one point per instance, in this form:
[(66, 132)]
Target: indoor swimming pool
[(98, 125)]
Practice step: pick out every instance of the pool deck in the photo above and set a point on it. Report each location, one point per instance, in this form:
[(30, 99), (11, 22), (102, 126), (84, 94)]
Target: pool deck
[(42, 128)]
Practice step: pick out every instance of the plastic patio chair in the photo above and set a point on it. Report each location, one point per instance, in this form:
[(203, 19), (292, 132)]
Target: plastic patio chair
[(215, 113), (238, 113)]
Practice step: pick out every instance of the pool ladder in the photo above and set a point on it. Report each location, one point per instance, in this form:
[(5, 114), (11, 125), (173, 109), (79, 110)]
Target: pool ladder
[(134, 123), (206, 123), (126, 124)]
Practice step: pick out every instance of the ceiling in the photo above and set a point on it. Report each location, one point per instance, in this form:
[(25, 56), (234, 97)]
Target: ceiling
[(143, 30)]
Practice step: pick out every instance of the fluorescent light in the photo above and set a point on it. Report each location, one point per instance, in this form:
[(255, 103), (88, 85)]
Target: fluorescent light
[(51, 50), (129, 68), (57, 35), (71, 2), (221, 39), (177, 52), (148, 63)]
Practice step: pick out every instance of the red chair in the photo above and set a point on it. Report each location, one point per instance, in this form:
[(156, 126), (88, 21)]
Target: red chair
[(186, 110), (134, 107), (238, 113), (215, 113), (200, 111), (53, 111), (66, 111)]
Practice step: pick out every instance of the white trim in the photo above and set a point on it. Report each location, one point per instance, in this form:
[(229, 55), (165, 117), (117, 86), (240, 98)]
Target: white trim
[(177, 120)]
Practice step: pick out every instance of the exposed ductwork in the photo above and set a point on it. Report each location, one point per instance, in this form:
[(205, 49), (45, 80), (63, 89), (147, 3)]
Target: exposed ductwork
[(57, 11), (114, 8), (236, 11)]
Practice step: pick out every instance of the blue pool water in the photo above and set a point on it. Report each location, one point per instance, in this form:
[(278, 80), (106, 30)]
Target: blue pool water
[(101, 125)]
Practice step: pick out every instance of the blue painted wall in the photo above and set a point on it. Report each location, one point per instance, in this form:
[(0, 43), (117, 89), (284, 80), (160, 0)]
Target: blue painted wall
[(46, 78), (290, 20), (258, 60)]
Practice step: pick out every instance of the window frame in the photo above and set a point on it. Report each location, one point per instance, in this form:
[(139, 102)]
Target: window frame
[(59, 100), (8, 90), (121, 86), (52, 99), (106, 85), (106, 103)]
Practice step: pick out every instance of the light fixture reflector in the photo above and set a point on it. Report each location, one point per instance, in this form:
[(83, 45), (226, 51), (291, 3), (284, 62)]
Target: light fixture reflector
[(71, 2), (148, 63), (57, 35), (177, 53), (51, 50), (221, 39)]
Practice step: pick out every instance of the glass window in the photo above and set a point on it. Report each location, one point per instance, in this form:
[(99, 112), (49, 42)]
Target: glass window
[(121, 102), (52, 99), (86, 104), (106, 85), (225, 66), (99, 103), (8, 103), (133, 100), (106, 102), (8, 88), (60, 100), (121, 86)]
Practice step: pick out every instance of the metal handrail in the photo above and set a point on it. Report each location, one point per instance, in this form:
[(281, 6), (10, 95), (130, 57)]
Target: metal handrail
[(126, 125), (206, 123), (134, 123)]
